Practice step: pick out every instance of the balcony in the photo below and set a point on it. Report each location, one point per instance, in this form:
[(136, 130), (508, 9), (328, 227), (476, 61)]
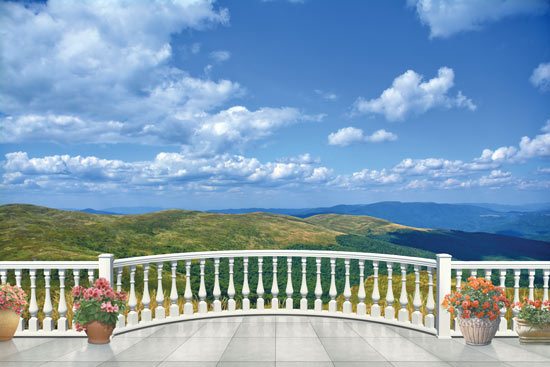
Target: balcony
[(270, 306)]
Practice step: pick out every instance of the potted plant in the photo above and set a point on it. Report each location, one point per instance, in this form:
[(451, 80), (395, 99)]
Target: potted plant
[(477, 306), (533, 321), (97, 309), (12, 302)]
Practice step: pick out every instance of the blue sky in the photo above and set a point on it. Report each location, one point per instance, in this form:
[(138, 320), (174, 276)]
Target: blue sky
[(202, 105)]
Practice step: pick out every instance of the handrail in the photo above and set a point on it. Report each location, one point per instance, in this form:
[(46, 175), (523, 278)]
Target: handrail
[(543, 265), (51, 265), (138, 260)]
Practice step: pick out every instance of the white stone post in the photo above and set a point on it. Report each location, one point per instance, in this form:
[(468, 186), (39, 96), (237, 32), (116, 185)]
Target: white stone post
[(188, 295), (216, 292), (318, 287), (246, 288), (332, 292), (417, 301), (62, 323), (106, 267), (430, 302), (274, 287), (76, 280), (203, 307), (347, 289), (146, 313), (515, 310), (531, 284), (289, 288), (33, 305), (231, 304), (260, 288), (303, 287), (443, 320), (132, 299), (389, 311), (121, 318), (503, 326), (375, 308), (361, 294), (403, 314), (47, 323), (160, 311), (174, 307)]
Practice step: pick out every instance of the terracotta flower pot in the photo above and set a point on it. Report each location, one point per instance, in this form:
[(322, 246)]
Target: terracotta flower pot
[(478, 331), (8, 324), (532, 333), (99, 333)]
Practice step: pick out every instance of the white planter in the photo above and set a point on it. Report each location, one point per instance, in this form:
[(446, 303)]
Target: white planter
[(478, 331)]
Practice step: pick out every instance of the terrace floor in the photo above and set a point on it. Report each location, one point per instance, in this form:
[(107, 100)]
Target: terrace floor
[(290, 341)]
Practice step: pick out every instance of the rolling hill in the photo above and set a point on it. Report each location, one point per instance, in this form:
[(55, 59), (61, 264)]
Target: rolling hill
[(33, 232)]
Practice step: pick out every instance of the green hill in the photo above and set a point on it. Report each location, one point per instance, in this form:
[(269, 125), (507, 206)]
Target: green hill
[(462, 245)]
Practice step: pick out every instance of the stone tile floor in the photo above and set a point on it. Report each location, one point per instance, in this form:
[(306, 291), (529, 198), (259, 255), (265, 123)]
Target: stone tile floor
[(282, 341)]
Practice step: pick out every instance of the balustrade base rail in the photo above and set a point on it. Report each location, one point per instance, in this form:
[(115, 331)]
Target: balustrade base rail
[(414, 309)]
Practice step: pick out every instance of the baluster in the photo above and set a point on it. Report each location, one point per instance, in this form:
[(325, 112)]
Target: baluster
[(90, 277), (231, 304), (174, 307), (3, 276), (21, 325), (246, 289), (403, 314), (303, 287), (76, 279), (473, 273), (361, 294), (458, 279), (545, 277), (318, 306), (216, 292), (188, 295), (47, 323), (62, 324), (132, 300), (121, 318), (260, 288), (347, 290), (531, 284), (488, 273), (203, 307), (375, 308), (160, 312), (289, 289), (332, 290), (389, 311), (274, 287), (515, 310), (146, 313), (503, 325), (430, 302), (33, 305), (417, 301)]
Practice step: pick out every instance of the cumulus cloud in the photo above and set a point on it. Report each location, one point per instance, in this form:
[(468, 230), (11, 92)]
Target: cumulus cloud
[(541, 77), (409, 94), (350, 135), (220, 55), (448, 17), (329, 96)]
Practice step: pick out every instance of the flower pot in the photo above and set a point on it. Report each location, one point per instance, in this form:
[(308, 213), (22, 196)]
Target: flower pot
[(8, 324), (98, 332), (529, 333), (478, 331)]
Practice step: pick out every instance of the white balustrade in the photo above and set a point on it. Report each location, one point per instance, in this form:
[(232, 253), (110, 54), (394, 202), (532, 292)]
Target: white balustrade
[(211, 305)]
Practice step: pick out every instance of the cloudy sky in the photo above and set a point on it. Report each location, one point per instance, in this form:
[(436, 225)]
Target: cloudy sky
[(204, 104)]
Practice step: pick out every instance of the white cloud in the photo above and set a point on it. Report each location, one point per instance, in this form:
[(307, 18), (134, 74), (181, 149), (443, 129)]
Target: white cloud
[(409, 94), (448, 17), (350, 135), (329, 96), (541, 77), (220, 55)]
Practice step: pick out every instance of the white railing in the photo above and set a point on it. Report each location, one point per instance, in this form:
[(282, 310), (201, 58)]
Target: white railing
[(318, 283)]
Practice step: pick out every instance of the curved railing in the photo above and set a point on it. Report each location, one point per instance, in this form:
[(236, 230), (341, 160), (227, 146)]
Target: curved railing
[(226, 283)]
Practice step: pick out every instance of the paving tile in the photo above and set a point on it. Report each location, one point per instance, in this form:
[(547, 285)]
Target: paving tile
[(480, 364), (421, 364), (257, 330), (307, 364), (200, 350), (250, 349), (362, 364), (150, 349), (300, 349), (350, 349), (129, 364), (292, 319), (543, 349), (188, 364), (217, 330), (334, 330), (508, 353), (100, 353), (179, 329), (259, 319), (295, 330), (397, 349), (246, 364), (452, 350), (140, 333), (21, 364), (20, 344), (48, 351), (373, 330)]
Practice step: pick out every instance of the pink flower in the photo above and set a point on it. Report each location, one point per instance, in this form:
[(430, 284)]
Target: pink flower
[(102, 284), (77, 291), (108, 307)]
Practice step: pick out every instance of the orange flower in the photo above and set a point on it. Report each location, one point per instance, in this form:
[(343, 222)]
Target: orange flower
[(480, 315), (486, 305)]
